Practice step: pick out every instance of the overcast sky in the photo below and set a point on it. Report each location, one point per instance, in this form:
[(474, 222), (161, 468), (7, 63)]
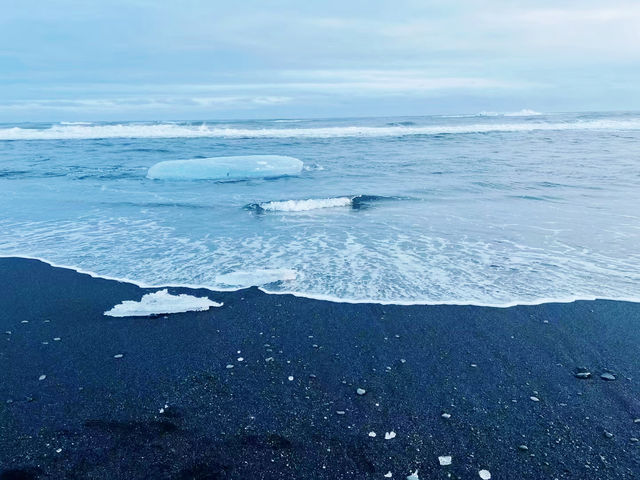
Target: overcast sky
[(208, 59)]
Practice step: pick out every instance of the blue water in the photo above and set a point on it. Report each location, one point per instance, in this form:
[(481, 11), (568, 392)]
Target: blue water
[(483, 209)]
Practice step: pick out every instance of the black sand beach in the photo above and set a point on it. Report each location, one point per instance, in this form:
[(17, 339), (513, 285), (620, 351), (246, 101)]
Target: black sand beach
[(507, 378)]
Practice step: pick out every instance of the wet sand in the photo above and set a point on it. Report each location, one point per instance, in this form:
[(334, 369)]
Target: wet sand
[(169, 408)]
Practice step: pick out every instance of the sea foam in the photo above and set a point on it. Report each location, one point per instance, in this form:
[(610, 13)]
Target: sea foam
[(226, 168), (161, 302), (170, 130)]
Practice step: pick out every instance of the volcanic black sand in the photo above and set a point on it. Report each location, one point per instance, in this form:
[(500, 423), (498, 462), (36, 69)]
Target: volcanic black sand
[(98, 416)]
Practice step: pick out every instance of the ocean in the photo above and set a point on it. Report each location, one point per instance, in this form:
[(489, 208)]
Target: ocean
[(486, 209)]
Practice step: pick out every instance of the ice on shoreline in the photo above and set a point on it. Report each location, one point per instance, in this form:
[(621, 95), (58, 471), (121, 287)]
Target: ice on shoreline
[(161, 302)]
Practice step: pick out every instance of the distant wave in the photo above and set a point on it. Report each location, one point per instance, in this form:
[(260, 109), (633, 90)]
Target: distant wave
[(355, 202), (167, 130)]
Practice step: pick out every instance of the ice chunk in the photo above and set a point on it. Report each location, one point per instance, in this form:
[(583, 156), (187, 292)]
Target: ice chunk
[(161, 302), (226, 168)]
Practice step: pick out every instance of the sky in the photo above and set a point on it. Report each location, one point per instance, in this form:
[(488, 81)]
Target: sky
[(69, 60)]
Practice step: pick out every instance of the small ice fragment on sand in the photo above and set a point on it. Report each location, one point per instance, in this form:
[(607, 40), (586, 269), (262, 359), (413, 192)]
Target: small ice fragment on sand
[(240, 359), (58, 450), (534, 399), (608, 376), (402, 360), (290, 378), (413, 476), (268, 359), (24, 321), (57, 339), (161, 302), (389, 435), (446, 416), (361, 391), (42, 377), (388, 475), (229, 366), (340, 412), (485, 474), (118, 355), (372, 434), (473, 365), (445, 460)]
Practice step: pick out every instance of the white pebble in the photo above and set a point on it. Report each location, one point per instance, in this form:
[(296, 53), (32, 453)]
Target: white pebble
[(118, 355), (42, 377), (485, 474), (290, 378), (389, 435), (361, 391), (372, 434), (445, 460)]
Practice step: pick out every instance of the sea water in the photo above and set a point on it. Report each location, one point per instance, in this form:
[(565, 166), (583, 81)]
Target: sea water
[(487, 209)]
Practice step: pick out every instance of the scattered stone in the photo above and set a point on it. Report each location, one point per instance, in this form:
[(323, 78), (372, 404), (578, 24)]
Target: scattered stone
[(390, 435), (372, 434), (608, 376), (290, 378), (413, 476), (42, 377), (446, 416), (523, 448), (608, 434), (445, 460), (361, 391), (118, 355), (534, 399), (485, 474)]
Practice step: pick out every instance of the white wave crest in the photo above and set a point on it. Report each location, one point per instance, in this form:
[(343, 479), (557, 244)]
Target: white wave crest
[(165, 130), (161, 302), (305, 205)]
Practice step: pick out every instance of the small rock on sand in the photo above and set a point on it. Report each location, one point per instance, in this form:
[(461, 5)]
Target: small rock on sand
[(485, 474), (445, 460)]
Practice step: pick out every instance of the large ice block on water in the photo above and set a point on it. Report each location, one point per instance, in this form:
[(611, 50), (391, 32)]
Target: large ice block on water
[(226, 168)]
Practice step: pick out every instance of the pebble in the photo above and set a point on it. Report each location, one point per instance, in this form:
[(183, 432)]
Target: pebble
[(608, 376), (389, 435), (446, 416), (534, 399), (372, 434), (485, 474), (523, 448), (608, 434), (118, 355), (413, 476), (361, 391), (42, 377), (445, 460)]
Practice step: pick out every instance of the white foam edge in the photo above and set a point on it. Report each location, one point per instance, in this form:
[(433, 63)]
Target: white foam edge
[(161, 302), (334, 299)]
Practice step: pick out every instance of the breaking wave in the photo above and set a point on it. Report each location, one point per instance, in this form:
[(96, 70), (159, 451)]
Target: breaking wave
[(170, 130), (354, 202)]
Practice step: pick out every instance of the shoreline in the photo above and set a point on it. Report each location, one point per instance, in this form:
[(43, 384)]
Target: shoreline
[(322, 297), (154, 397)]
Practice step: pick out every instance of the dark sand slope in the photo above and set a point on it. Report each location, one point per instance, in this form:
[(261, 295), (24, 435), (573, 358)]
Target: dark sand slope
[(96, 416)]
